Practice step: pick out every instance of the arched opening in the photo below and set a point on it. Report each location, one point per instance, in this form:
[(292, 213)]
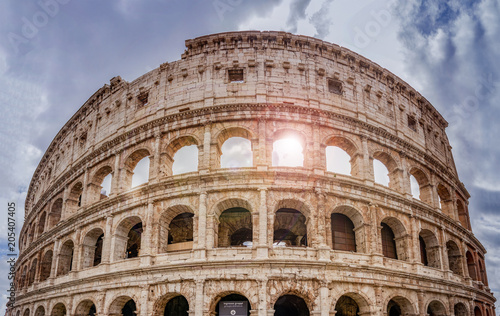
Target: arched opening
[(55, 213), (180, 232), (420, 186), (235, 228), (86, 308), (385, 170), (393, 309), (100, 186), (58, 310), (482, 271), (290, 228), (32, 272), (343, 235), (129, 309), (388, 242), (346, 306), (92, 248), (436, 308), (141, 172), (181, 156), (338, 160), (177, 306), (429, 249), (445, 202), (26, 312), (477, 311), (32, 232), (460, 309), (24, 277), (471, 266), (128, 238), (236, 153), (41, 223), (233, 305), (40, 311), (65, 261), (290, 305), (123, 305), (288, 149), (341, 156), (454, 257), (74, 200), (136, 171), (46, 265)]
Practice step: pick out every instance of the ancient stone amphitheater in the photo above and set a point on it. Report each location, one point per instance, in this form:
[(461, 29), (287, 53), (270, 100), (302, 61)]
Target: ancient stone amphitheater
[(259, 235)]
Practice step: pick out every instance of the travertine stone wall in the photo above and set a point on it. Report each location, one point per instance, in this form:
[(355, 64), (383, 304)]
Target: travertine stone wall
[(323, 95)]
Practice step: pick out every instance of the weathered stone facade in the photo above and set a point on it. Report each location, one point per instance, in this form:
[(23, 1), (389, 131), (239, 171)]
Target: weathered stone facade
[(183, 233)]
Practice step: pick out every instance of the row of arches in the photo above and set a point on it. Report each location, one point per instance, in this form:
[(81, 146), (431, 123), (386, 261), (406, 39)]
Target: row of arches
[(235, 147), (234, 227), (237, 304)]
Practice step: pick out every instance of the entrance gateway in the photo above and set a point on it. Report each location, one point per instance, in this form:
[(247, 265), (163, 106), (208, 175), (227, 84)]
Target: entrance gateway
[(233, 308)]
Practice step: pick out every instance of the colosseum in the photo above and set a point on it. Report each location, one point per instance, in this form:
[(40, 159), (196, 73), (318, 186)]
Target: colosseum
[(369, 218)]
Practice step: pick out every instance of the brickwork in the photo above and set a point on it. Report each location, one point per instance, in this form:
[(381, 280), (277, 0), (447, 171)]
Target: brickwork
[(262, 232)]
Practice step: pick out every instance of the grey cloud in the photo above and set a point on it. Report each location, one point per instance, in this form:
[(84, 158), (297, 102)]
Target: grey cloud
[(297, 12), (321, 20)]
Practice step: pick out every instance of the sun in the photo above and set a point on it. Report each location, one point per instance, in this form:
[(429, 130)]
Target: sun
[(287, 152)]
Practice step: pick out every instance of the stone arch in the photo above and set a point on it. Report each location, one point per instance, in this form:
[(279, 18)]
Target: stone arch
[(95, 187), (230, 132), (436, 308), (160, 306), (174, 146), (361, 300), (129, 166), (74, 200), (356, 217), (92, 248), (26, 312), (65, 258), (348, 147), (392, 167), (293, 134), (424, 186), (41, 223), (292, 303), (120, 303), (176, 229), (40, 311), (429, 249), (128, 238), (24, 277), (58, 310), (477, 311), (454, 257), (235, 228), (32, 272), (229, 296), (445, 201), (482, 271), (401, 303), (290, 223), (400, 237), (46, 265), (86, 308), (55, 213), (460, 309)]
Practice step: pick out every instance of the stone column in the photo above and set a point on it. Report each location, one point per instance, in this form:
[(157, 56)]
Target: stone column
[(263, 297), (421, 302), (262, 247), (204, 164), (64, 207), (199, 297), (262, 163), (106, 241), (325, 302), (117, 177), (154, 170), (379, 310), (147, 247), (77, 252), (202, 227), (367, 173), (86, 199), (406, 185), (55, 256), (144, 300)]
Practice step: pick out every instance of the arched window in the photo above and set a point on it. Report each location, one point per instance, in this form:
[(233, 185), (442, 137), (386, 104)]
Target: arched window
[(393, 309), (128, 238), (185, 160), (454, 257), (289, 228), (177, 306), (235, 228), (123, 305), (180, 232), (46, 265), (92, 248), (74, 200), (445, 202), (423, 251), (429, 249), (106, 186), (32, 272), (87, 308), (134, 241), (236, 153), (415, 188), (288, 150), (463, 216), (346, 306), (380, 172), (477, 311), (290, 305), (420, 186), (482, 271), (100, 186), (460, 309), (65, 262), (343, 236), (141, 172), (40, 311), (226, 303), (436, 308), (129, 309), (471, 266), (388, 242), (55, 213), (41, 223), (338, 160)]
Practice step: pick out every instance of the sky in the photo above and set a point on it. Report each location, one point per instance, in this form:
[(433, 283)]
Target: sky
[(54, 54)]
